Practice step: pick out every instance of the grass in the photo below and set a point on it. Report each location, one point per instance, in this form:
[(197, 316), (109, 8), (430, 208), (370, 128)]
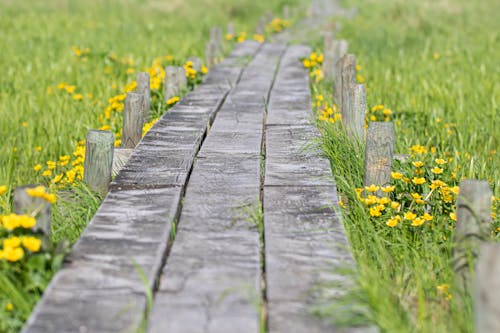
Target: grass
[(96, 48), (434, 64)]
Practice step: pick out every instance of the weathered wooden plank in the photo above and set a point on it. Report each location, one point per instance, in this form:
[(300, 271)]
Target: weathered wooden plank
[(305, 241), (211, 281), (291, 159)]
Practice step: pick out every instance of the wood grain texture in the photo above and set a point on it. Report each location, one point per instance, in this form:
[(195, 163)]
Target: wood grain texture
[(356, 126), (486, 290), (98, 162), (340, 46), (170, 83), (348, 80), (143, 87), (133, 120), (329, 46), (379, 153), (472, 227)]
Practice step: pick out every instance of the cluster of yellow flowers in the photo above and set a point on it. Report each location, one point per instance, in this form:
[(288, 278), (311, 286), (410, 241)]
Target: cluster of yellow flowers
[(277, 25), (80, 53), (379, 113), (71, 90), (313, 62), (12, 250), (326, 112)]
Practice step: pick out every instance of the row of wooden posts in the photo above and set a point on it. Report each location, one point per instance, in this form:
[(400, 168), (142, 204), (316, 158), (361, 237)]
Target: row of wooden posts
[(472, 230)]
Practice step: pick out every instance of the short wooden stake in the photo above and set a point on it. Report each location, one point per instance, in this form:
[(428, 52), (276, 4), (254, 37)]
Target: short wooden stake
[(210, 54), (339, 56), (348, 80), (216, 38), (286, 12), (98, 162), (340, 48), (328, 55), (473, 221), (260, 28), (170, 84), (132, 120), (379, 153), (181, 79), (143, 87), (230, 29), (26, 204), (487, 289), (356, 125)]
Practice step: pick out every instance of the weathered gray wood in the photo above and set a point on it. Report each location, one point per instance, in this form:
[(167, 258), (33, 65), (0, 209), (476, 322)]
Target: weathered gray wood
[(212, 278), (286, 12), (26, 204), (170, 84), (143, 87), (473, 222), (356, 126), (260, 28), (379, 153), (329, 46), (230, 29), (133, 120), (340, 48), (120, 158), (487, 289), (216, 39), (348, 80), (181, 79), (98, 160), (211, 54), (196, 63)]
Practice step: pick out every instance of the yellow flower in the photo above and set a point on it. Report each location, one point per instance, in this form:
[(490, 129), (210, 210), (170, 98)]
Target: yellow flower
[(375, 211), (443, 288), (229, 36), (453, 216), (388, 189), (78, 97), (36, 192), (427, 216), (416, 196), (417, 222), (3, 189), (70, 89), (396, 175), (372, 188), (383, 200), (418, 180), (395, 205), (371, 200), (440, 161), (173, 100), (13, 254), (358, 67), (9, 307), (204, 70), (387, 112), (436, 56), (341, 204), (24, 124), (455, 189), (393, 221), (32, 243), (418, 164), (419, 149), (37, 167), (258, 38), (437, 170), (410, 216), (11, 242), (51, 165), (38, 148), (130, 71)]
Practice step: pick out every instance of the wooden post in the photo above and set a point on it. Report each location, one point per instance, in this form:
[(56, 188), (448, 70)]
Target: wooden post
[(144, 89), (210, 54), (356, 125), (379, 154), (260, 28), (132, 120), (26, 204), (181, 79), (230, 29), (216, 38), (98, 160), (328, 55), (286, 12), (348, 80), (487, 290), (196, 63), (170, 85), (473, 221), (339, 48)]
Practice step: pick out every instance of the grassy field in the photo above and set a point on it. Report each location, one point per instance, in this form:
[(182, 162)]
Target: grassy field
[(432, 68), (65, 65)]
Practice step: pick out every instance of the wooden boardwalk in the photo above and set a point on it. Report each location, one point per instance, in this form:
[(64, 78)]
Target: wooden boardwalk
[(180, 210)]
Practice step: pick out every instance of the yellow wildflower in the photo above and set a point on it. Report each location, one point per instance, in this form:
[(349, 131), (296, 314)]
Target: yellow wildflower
[(78, 97), (393, 221), (427, 216), (395, 205), (372, 188), (383, 200), (173, 100), (12, 242), (410, 216), (440, 161), (453, 216), (3, 189), (204, 69), (416, 196), (418, 164), (13, 254), (32, 243), (437, 170), (9, 307), (375, 211), (396, 175), (418, 180), (388, 189), (37, 167), (417, 222)]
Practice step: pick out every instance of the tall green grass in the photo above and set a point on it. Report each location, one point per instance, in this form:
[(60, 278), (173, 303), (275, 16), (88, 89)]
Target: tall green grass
[(435, 64)]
